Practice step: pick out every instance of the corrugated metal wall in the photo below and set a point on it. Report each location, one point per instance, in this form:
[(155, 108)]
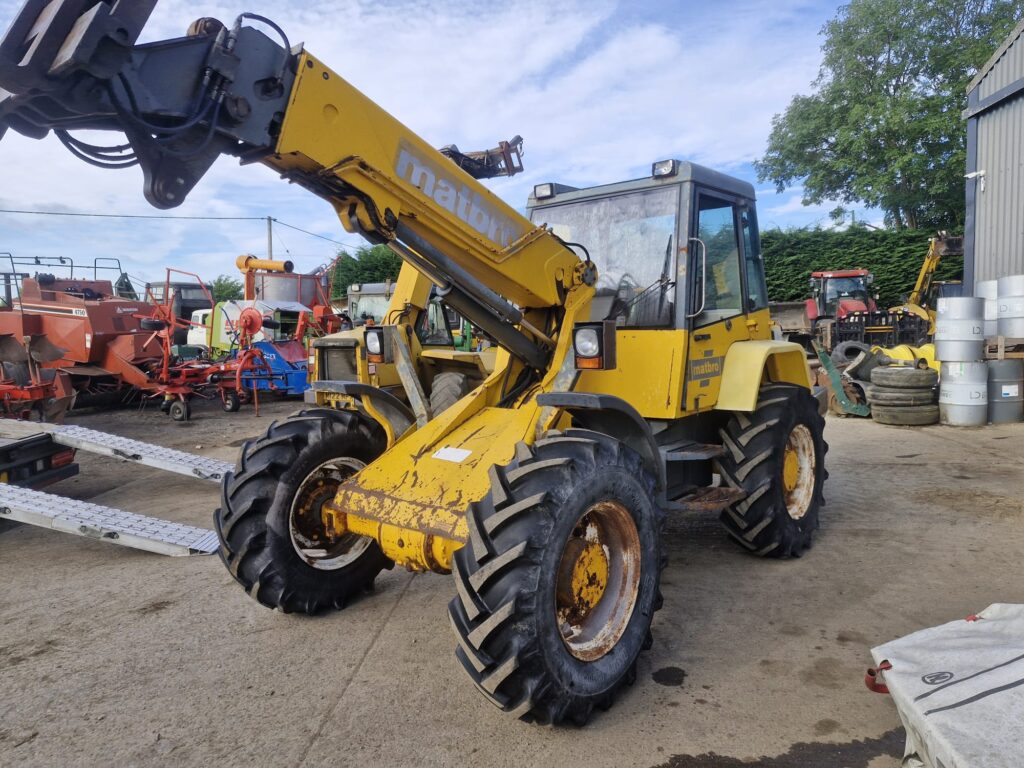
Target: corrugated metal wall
[(999, 209), (1008, 70)]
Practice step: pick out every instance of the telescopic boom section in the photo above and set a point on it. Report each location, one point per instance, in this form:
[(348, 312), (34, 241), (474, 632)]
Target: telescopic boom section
[(181, 103)]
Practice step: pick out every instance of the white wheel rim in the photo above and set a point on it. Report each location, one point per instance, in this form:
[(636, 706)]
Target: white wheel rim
[(799, 471), (310, 541)]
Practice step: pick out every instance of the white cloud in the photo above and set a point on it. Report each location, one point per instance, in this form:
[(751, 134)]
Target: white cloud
[(598, 89)]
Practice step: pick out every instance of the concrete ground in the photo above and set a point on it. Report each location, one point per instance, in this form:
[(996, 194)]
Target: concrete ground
[(114, 657)]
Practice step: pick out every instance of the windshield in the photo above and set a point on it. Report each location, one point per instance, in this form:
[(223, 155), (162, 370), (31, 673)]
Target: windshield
[(845, 288), (368, 308), (631, 239)]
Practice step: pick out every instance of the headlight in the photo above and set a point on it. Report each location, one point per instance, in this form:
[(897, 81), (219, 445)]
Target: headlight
[(594, 346), (373, 342), (587, 342), (664, 168), (542, 191)]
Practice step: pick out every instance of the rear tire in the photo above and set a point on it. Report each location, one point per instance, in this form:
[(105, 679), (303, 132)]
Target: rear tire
[(270, 505), (777, 455), (446, 390), (544, 633)]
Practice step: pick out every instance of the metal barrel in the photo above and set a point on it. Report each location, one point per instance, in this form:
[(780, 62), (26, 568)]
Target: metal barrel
[(1005, 391), (1010, 315), (989, 291), (963, 394), (960, 329)]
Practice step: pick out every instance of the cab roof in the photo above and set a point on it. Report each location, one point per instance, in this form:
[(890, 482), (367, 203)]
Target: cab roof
[(686, 172), (841, 273)]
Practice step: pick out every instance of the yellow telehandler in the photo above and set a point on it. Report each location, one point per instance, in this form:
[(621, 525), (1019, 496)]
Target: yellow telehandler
[(635, 376)]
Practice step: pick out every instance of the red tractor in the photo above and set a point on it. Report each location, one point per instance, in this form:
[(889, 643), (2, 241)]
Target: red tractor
[(837, 293), (843, 317)]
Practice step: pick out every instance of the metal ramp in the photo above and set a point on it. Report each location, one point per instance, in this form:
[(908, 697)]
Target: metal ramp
[(93, 521), (108, 524), (105, 444)]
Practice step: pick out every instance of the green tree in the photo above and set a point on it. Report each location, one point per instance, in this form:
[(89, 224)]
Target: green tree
[(884, 124), (226, 288), (369, 264)]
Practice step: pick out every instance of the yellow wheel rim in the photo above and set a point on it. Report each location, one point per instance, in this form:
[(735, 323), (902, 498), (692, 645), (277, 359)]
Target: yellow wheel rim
[(799, 471), (589, 574), (598, 580), (790, 469)]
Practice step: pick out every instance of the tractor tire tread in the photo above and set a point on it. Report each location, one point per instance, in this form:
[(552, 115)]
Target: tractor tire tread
[(760, 522), (252, 519), (446, 389), (497, 575)]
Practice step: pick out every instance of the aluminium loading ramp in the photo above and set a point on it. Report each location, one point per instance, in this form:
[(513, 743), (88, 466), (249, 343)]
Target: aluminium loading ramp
[(108, 524), (116, 526), (116, 447)]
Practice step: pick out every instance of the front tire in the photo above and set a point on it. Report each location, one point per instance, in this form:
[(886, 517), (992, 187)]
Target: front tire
[(559, 580), (272, 537), (446, 390), (777, 455)]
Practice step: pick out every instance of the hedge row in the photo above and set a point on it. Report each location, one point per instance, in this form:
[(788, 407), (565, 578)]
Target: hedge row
[(894, 258)]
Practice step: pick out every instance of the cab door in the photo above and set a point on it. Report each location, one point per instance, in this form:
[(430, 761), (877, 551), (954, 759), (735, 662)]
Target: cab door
[(719, 300)]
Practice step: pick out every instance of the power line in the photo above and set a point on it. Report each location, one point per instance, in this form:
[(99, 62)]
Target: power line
[(175, 217), (133, 216), (311, 234)]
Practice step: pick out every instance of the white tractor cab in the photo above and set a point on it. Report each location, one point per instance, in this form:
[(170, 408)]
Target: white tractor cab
[(217, 329), (368, 302)]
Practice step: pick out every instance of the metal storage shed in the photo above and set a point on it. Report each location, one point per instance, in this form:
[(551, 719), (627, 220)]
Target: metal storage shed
[(994, 236)]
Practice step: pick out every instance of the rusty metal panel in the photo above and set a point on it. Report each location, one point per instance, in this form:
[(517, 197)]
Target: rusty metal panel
[(999, 215)]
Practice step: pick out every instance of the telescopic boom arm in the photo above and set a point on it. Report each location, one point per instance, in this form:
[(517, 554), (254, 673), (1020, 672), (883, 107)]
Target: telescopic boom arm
[(74, 64)]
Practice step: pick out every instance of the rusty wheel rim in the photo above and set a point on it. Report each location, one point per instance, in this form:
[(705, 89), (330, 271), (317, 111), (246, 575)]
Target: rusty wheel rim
[(598, 580), (319, 547), (798, 471)]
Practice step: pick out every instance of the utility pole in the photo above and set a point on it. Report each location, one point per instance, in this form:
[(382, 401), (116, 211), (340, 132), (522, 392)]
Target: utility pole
[(270, 238)]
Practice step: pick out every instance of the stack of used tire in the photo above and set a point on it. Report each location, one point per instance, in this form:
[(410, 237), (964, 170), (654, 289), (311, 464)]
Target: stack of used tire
[(845, 352), (904, 396)]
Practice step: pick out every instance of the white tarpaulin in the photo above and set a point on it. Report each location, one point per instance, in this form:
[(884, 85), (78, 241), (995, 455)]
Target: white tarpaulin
[(959, 689)]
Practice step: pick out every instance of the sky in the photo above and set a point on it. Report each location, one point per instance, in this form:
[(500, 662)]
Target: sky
[(598, 89)]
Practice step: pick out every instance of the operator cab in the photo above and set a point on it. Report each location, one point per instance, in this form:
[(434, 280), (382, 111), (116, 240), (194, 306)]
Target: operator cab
[(678, 249), (837, 293)]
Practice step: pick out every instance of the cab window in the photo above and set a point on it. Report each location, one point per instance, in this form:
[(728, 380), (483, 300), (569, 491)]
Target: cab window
[(718, 258), (757, 291), (432, 327)]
